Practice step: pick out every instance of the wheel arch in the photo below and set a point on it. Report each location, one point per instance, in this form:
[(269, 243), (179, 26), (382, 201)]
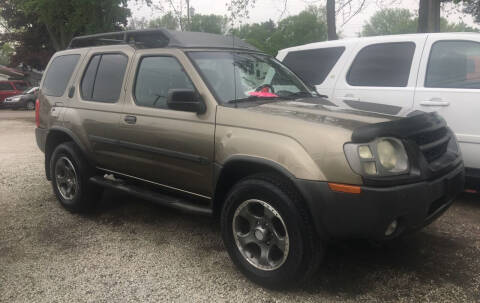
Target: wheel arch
[(55, 136), (239, 167)]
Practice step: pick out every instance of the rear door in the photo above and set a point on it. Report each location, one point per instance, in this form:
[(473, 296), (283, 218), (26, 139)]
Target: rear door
[(449, 83), (169, 147), (95, 103), (317, 66), (381, 75)]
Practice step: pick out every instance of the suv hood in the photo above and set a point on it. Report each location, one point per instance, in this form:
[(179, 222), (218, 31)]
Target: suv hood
[(312, 111)]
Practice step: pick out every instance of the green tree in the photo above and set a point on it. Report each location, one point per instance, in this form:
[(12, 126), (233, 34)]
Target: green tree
[(61, 20), (390, 21), (306, 27), (6, 52), (402, 21), (65, 19), (215, 24), (168, 21)]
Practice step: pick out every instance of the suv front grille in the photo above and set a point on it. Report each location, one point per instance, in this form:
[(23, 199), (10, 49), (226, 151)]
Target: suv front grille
[(433, 143)]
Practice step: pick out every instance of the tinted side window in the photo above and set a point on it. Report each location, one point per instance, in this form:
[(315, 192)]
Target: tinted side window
[(21, 85), (155, 77), (5, 86), (58, 75), (86, 87), (454, 64), (103, 78), (386, 64), (313, 65)]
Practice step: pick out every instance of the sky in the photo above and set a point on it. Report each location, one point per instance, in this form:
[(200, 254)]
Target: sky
[(275, 10)]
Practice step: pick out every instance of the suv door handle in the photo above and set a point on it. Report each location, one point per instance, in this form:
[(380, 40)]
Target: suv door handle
[(435, 102), (130, 119)]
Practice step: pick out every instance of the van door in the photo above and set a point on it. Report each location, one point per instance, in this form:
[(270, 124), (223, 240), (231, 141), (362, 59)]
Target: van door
[(171, 148), (381, 76), (449, 83)]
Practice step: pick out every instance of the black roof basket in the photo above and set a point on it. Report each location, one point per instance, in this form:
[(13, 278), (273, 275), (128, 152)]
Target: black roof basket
[(158, 38)]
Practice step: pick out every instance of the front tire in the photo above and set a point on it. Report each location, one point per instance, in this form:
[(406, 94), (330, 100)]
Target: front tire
[(70, 179), (268, 232)]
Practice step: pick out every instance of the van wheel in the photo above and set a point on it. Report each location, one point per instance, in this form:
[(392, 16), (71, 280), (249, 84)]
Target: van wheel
[(70, 174), (268, 233)]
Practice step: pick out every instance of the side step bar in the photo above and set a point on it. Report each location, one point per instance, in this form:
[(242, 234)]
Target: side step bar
[(155, 197)]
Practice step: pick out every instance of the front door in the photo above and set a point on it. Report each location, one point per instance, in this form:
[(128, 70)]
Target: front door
[(6, 90), (381, 77), (449, 83), (169, 147)]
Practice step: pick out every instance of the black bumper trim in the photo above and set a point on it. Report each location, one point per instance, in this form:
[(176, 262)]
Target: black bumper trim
[(367, 215), (41, 137), (472, 180)]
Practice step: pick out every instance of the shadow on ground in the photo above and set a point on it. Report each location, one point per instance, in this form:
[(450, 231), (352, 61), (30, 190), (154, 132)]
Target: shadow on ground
[(351, 267)]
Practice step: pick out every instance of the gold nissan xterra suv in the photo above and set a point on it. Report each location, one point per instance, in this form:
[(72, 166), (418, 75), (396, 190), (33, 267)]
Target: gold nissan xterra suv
[(208, 124)]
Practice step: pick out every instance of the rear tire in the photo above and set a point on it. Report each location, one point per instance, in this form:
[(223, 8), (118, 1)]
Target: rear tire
[(70, 179), (247, 239)]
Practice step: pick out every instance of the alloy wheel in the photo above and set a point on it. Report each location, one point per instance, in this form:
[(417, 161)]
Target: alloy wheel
[(260, 234)]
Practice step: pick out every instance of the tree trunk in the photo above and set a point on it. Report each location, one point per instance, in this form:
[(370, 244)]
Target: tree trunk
[(429, 16), (53, 38), (331, 26), (188, 15)]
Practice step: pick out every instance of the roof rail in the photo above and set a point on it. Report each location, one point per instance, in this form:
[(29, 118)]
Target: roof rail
[(159, 38), (139, 38)]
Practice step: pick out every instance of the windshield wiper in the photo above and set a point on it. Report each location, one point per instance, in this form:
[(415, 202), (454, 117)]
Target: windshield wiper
[(254, 98), (298, 94)]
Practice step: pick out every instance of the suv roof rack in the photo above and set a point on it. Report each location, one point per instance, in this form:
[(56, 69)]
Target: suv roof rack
[(159, 38)]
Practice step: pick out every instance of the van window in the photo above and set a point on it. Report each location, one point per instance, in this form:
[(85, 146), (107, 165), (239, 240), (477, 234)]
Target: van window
[(155, 77), (103, 78), (58, 75), (21, 85), (386, 65), (5, 86), (313, 65), (454, 64)]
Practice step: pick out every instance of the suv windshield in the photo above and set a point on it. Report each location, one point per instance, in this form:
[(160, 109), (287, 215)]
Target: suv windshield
[(237, 76)]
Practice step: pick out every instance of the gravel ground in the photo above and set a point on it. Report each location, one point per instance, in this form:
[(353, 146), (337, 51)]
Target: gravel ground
[(131, 250)]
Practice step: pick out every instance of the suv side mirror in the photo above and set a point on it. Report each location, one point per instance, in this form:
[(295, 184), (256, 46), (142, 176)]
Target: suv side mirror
[(185, 100)]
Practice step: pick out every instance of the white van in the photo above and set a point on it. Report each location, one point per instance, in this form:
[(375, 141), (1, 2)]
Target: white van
[(401, 74)]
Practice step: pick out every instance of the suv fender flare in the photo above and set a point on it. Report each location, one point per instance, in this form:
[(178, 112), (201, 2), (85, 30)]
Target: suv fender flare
[(221, 184), (54, 131)]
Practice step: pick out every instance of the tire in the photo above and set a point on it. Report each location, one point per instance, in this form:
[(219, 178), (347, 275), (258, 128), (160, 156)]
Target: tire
[(70, 170), (275, 196), (30, 105)]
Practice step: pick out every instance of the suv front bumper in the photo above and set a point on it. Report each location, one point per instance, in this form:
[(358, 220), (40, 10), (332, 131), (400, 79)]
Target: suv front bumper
[(368, 214)]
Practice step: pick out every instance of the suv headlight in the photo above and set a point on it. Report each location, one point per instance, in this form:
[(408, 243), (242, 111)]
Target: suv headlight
[(382, 157)]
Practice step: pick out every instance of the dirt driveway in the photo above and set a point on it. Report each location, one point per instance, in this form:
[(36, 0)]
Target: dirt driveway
[(130, 250)]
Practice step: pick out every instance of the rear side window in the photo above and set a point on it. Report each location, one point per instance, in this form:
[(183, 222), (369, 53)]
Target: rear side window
[(58, 75), (103, 78), (313, 65), (21, 85), (155, 77), (454, 64), (5, 86), (386, 64)]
